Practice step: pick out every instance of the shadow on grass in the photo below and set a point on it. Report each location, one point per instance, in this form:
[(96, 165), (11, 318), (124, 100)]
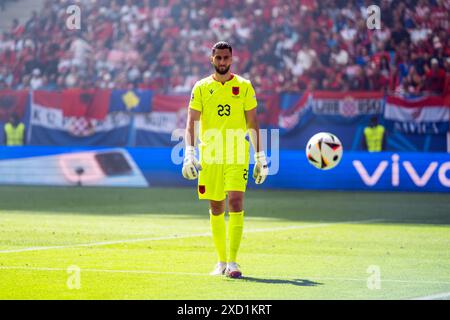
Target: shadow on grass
[(294, 282)]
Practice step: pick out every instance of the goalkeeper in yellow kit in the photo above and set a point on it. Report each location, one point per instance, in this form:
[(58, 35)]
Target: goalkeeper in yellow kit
[(225, 106)]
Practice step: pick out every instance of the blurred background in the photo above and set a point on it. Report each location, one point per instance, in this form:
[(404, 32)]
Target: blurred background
[(111, 80)]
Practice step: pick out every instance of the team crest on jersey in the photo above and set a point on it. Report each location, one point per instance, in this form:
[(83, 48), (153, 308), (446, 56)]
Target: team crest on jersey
[(235, 91), (202, 189)]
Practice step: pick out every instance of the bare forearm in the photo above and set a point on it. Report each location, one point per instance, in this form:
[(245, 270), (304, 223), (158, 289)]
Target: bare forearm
[(255, 136), (253, 129), (189, 136)]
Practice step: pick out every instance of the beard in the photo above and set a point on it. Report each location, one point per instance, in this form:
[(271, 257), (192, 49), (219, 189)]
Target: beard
[(223, 71)]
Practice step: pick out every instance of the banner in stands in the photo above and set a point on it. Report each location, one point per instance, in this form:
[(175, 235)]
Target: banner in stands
[(12, 102), (138, 100), (346, 106), (344, 114), (76, 117), (347, 114), (423, 115), (142, 167), (155, 128), (268, 110)]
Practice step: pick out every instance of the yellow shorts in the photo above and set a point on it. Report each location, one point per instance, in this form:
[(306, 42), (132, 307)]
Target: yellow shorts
[(215, 180), (226, 172)]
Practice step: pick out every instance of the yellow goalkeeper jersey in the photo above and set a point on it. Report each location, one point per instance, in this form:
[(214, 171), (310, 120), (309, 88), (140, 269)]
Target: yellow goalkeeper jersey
[(222, 108)]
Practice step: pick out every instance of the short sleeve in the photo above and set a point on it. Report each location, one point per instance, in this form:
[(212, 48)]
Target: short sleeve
[(196, 98), (250, 101)]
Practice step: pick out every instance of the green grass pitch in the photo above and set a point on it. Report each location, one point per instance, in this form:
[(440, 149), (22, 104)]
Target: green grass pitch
[(108, 243)]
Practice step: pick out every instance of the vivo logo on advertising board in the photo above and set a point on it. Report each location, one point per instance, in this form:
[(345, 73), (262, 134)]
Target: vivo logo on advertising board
[(419, 180)]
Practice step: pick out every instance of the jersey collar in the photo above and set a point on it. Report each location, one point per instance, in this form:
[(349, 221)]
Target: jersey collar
[(214, 78)]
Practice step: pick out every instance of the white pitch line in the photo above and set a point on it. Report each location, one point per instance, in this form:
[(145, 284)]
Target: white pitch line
[(105, 271), (106, 243), (207, 234), (436, 296), (319, 225), (284, 277)]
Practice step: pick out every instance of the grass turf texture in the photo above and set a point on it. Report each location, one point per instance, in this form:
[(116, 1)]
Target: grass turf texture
[(155, 244)]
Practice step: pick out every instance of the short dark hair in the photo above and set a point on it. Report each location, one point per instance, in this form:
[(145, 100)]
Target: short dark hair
[(221, 45), (374, 120)]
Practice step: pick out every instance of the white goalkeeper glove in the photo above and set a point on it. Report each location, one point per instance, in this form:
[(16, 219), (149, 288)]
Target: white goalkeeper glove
[(190, 164), (261, 168)]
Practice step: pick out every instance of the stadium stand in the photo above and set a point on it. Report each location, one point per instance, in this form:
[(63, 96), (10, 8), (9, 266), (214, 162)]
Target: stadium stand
[(282, 45)]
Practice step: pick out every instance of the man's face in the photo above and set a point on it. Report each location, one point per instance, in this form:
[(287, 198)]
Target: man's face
[(13, 120), (221, 60)]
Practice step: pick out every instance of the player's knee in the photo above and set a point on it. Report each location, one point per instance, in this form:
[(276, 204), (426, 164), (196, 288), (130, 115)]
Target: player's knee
[(235, 204), (217, 207)]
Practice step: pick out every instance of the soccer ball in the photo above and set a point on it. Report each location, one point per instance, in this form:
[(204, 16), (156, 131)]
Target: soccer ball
[(324, 151)]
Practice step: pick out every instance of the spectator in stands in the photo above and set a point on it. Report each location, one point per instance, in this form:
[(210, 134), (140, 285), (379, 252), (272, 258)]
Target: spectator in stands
[(36, 81), (413, 83), (374, 136), (447, 77), (24, 83), (14, 131), (17, 29), (353, 74), (306, 57), (434, 78), (339, 56), (6, 77)]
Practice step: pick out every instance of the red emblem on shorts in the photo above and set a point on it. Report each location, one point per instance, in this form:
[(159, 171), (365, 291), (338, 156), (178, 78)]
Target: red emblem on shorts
[(202, 189), (235, 91)]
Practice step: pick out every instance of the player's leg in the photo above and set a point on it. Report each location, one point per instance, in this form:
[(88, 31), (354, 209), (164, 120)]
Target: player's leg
[(236, 177), (210, 186), (236, 222), (219, 234)]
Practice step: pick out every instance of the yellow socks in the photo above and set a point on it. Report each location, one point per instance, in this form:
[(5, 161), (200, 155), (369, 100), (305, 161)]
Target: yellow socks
[(235, 229), (219, 234)]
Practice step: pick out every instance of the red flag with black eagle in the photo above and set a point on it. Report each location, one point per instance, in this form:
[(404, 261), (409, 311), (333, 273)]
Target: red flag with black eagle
[(88, 103), (12, 102), (85, 105)]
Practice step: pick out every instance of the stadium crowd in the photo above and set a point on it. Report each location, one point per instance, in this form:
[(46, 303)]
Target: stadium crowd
[(4, 3), (281, 45)]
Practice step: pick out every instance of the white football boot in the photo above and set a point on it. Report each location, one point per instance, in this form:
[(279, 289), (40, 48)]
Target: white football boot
[(232, 270), (219, 269)]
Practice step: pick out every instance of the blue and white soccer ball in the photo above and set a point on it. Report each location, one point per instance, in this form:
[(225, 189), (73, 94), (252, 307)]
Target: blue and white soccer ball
[(324, 151)]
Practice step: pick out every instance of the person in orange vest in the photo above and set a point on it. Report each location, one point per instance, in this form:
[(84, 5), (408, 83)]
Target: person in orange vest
[(374, 136), (14, 131)]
